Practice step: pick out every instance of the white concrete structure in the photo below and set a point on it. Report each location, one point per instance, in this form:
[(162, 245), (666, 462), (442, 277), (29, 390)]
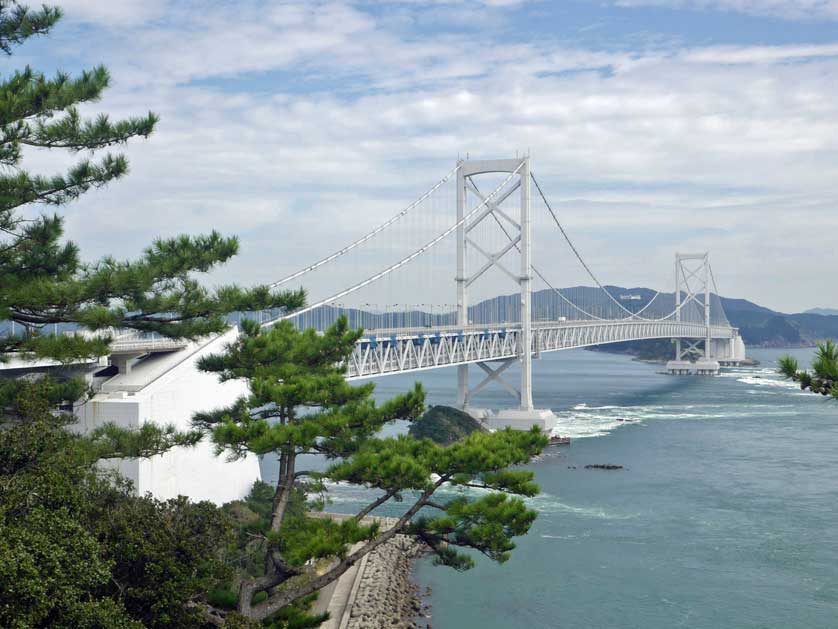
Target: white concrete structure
[(521, 242), (701, 367), (167, 388)]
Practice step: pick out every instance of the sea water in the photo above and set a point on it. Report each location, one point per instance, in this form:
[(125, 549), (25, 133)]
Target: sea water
[(725, 513)]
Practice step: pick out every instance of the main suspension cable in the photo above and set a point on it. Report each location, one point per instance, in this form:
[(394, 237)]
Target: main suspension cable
[(401, 262), (579, 256), (532, 266), (337, 254), (718, 296)]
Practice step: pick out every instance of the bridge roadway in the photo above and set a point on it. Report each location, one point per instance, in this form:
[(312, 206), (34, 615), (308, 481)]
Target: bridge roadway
[(386, 352)]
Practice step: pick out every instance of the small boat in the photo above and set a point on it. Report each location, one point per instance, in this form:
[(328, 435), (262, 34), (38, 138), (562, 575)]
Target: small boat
[(559, 441)]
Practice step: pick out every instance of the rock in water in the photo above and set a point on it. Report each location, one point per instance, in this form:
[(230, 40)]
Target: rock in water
[(444, 425)]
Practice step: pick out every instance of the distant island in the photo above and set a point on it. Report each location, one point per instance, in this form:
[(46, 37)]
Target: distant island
[(444, 425), (759, 326), (763, 327)]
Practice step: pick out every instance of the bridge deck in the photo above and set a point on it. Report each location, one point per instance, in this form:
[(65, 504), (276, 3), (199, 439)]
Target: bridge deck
[(385, 352)]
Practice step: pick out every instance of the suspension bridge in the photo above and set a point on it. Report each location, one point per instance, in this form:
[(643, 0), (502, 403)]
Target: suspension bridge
[(464, 276), (472, 242)]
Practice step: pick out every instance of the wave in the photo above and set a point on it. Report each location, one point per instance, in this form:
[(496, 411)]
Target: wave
[(768, 382), (583, 421)]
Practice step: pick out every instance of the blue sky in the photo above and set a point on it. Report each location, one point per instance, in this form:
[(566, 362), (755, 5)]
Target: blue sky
[(655, 125)]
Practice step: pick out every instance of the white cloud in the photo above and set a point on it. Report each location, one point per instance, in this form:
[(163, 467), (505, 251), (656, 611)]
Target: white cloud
[(112, 12), (300, 127), (787, 9), (759, 54)]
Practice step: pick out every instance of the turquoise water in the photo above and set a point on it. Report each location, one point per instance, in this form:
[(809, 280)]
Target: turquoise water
[(724, 516)]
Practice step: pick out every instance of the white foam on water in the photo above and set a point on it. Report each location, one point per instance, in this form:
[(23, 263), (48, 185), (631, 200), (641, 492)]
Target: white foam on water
[(768, 382), (583, 421)]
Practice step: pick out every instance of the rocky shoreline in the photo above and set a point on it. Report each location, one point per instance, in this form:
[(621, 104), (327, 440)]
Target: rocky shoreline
[(386, 595)]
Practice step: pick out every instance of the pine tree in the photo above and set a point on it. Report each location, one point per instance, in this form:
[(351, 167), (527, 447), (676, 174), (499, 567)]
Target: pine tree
[(300, 403), (42, 278), (76, 549), (823, 378)]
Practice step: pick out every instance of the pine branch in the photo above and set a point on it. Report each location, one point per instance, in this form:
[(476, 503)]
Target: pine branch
[(19, 23), (71, 132), (29, 94), (22, 189), (113, 442)]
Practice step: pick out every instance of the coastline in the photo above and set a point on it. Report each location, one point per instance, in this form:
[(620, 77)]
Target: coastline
[(379, 591), (385, 594)]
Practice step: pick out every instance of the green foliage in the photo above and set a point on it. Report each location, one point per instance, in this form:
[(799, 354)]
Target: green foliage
[(223, 598), (788, 366), (302, 539), (77, 548), (824, 376), (18, 393), (164, 554), (290, 370), (825, 365), (113, 442), (486, 524), (260, 499), (296, 616), (42, 278), (299, 403), (19, 23), (80, 550)]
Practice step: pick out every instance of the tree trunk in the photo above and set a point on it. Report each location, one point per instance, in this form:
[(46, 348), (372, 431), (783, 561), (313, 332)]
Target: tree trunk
[(273, 576), (288, 596), (284, 487)]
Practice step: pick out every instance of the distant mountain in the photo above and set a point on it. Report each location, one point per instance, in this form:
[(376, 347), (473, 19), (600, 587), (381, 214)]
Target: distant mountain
[(760, 326), (827, 312), (743, 305)]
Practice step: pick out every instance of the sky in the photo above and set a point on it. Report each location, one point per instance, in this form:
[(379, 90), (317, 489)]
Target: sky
[(654, 126)]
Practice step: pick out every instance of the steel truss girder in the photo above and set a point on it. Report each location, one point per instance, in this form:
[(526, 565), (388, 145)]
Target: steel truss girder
[(417, 350)]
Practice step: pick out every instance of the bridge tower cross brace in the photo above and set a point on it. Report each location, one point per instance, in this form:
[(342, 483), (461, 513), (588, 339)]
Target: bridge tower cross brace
[(521, 240), (692, 284)]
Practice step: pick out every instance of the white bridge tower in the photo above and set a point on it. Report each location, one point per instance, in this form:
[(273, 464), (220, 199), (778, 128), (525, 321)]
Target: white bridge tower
[(520, 226), (692, 284)]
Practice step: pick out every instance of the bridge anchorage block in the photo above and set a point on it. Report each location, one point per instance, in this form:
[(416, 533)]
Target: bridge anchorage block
[(703, 367), (515, 418)]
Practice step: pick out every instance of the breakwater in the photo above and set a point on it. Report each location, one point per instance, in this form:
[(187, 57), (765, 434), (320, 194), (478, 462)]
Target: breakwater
[(384, 594)]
